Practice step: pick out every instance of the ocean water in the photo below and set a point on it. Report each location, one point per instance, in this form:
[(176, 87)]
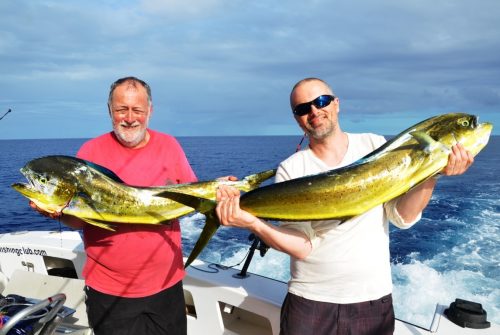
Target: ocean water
[(453, 252)]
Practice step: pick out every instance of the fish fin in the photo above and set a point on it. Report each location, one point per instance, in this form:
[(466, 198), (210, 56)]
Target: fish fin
[(204, 206), (200, 204), (254, 180), (211, 225), (107, 172), (98, 224), (427, 142)]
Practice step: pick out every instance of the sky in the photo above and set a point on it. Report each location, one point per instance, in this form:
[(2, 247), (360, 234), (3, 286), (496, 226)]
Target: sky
[(226, 67)]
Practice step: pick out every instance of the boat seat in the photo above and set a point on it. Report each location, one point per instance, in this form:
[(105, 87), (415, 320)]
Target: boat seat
[(65, 296)]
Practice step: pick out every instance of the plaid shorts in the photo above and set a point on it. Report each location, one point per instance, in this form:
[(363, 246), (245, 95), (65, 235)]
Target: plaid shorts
[(300, 316)]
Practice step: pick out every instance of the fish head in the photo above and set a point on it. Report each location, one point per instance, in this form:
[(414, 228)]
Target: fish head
[(453, 128), (52, 182)]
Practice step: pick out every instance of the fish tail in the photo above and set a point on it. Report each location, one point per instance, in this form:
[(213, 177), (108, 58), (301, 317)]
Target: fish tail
[(204, 206), (207, 207), (211, 225), (254, 180)]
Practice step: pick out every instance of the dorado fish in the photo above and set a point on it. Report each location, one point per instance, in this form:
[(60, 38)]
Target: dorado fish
[(96, 195), (407, 160)]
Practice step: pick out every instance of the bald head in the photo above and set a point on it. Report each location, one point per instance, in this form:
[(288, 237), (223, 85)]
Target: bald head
[(312, 87)]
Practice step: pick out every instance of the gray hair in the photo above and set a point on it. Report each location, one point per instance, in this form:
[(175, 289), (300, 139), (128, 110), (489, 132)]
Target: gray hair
[(132, 81)]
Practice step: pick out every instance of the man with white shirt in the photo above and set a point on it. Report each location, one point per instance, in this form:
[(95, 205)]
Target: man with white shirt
[(340, 273)]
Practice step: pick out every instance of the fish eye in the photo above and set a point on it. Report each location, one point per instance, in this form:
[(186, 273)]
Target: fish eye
[(463, 122)]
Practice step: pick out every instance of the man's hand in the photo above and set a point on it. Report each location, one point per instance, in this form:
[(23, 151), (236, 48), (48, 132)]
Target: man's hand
[(228, 178), (458, 161), (229, 211), (68, 220), (55, 215)]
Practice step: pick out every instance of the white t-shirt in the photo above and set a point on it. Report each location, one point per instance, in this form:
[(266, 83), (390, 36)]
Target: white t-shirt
[(349, 262)]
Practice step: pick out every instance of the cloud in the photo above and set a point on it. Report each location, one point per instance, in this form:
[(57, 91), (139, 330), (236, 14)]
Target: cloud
[(226, 67), (179, 8)]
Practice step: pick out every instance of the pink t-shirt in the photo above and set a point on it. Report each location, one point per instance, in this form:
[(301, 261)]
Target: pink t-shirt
[(136, 260)]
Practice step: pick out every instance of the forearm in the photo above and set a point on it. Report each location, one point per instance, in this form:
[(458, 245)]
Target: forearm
[(411, 204), (289, 241)]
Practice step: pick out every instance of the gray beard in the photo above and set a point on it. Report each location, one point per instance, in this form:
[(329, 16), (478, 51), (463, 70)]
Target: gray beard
[(128, 140), (321, 133)]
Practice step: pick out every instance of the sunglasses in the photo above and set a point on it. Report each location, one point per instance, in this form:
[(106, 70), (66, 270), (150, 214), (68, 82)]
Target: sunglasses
[(320, 102)]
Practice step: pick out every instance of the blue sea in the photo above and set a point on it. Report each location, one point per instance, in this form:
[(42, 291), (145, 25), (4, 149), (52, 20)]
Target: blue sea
[(453, 252)]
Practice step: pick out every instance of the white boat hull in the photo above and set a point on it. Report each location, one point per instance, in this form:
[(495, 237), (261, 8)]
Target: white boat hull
[(32, 264)]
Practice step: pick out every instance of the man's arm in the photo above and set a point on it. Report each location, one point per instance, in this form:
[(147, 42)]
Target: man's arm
[(282, 239), (411, 204)]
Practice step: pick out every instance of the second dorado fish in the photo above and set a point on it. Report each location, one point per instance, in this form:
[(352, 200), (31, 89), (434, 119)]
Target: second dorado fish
[(96, 195)]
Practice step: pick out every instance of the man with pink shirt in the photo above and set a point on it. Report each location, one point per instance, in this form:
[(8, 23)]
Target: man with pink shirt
[(134, 275)]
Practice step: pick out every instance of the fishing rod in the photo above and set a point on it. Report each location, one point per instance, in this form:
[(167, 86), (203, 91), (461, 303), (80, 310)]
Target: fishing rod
[(300, 143), (257, 244), (6, 113)]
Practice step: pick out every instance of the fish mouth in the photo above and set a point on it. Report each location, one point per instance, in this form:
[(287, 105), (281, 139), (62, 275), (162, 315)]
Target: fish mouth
[(31, 188), (29, 184), (38, 197), (486, 129), (28, 190), (487, 126)]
